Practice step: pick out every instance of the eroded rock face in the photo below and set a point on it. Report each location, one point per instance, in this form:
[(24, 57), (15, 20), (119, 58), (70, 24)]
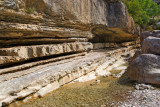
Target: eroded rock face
[(42, 79), (76, 17), (113, 13), (145, 34), (145, 69), (151, 45), (25, 24), (112, 35), (23, 53)]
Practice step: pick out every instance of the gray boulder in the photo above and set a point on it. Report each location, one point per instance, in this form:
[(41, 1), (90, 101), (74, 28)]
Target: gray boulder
[(158, 24), (151, 45), (145, 69), (145, 34)]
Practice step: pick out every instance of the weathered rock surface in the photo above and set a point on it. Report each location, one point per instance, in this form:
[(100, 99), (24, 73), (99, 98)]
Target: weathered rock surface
[(145, 69), (23, 53), (112, 13), (43, 79), (137, 53), (117, 35), (113, 45), (47, 19), (26, 25), (145, 34), (151, 45), (36, 29), (32, 29)]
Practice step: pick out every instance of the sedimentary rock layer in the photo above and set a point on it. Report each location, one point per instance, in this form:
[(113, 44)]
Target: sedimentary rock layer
[(41, 80), (114, 45), (23, 53), (51, 19), (32, 29)]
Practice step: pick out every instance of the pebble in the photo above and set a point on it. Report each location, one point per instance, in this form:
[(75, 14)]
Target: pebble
[(143, 86), (143, 96)]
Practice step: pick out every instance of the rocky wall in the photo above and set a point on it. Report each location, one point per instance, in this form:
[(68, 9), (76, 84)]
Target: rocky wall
[(26, 25)]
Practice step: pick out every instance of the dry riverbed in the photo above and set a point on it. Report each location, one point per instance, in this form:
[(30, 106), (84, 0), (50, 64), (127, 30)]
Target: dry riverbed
[(112, 91), (107, 93), (100, 92)]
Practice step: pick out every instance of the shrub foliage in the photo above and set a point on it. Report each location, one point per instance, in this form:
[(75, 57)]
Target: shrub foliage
[(142, 10)]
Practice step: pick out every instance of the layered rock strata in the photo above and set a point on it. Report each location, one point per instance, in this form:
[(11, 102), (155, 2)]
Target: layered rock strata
[(59, 33), (23, 53), (26, 25), (42, 79)]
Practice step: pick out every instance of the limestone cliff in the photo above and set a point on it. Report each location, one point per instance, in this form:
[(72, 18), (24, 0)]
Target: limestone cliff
[(45, 44), (60, 24)]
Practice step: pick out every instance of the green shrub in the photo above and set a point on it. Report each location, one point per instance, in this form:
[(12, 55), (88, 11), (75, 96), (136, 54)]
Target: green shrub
[(142, 11)]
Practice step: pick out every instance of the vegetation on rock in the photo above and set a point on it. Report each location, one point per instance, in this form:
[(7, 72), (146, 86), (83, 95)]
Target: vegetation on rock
[(29, 10)]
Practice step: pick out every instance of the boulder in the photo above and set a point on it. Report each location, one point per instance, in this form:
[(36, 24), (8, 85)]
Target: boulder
[(145, 34), (158, 24), (151, 45), (145, 69), (137, 53)]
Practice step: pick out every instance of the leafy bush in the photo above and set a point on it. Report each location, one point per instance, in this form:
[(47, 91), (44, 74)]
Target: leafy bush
[(142, 10)]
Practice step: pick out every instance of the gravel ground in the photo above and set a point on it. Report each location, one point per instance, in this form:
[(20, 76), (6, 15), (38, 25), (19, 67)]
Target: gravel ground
[(142, 96)]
